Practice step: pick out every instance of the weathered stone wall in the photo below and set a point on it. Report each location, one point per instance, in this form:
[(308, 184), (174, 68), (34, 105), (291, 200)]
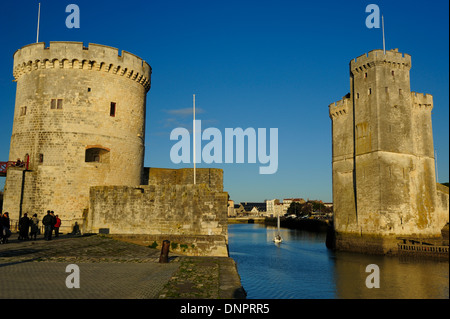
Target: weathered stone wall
[(383, 159), (343, 162), (189, 213), (86, 80), (213, 177), (443, 204)]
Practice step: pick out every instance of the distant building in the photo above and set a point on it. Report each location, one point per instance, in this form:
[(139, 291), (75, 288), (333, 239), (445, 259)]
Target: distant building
[(254, 208), (288, 201), (231, 211), (278, 209), (270, 206)]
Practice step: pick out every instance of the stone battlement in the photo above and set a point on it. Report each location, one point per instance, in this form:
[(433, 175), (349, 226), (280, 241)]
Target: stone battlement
[(73, 55), (339, 108), (422, 100), (374, 57)]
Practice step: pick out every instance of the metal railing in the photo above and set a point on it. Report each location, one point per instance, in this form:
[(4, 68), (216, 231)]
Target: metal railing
[(423, 248), (5, 165)]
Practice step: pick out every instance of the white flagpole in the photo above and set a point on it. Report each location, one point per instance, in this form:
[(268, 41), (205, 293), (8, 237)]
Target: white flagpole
[(39, 17), (382, 25), (194, 142)]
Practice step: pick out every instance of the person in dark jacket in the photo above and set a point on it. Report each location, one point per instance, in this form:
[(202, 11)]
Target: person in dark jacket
[(34, 223), (24, 226), (1, 228), (48, 223), (5, 225)]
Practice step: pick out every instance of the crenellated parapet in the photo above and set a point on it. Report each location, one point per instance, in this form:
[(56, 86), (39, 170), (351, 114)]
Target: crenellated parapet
[(422, 101), (339, 108), (392, 58), (73, 55)]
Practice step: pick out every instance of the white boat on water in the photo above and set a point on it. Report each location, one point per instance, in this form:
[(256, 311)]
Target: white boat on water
[(278, 239)]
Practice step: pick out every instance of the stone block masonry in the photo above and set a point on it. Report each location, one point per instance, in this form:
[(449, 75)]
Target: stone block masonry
[(80, 118), (213, 177), (384, 182), (194, 217)]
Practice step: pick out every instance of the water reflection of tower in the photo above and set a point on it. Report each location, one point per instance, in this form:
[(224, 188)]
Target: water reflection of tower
[(399, 279)]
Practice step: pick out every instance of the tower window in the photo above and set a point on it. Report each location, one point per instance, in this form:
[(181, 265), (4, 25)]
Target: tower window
[(370, 91), (392, 73), (89, 89), (112, 110), (357, 95), (98, 155), (23, 111), (41, 158), (56, 104), (365, 75)]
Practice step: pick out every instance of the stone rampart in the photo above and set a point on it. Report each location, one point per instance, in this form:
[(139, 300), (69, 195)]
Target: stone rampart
[(192, 216), (213, 177)]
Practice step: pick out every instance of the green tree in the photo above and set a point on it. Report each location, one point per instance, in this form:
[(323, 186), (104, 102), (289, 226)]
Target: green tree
[(298, 209), (318, 206)]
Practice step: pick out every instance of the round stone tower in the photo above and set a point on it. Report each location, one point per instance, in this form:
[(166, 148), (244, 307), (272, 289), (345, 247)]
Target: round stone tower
[(80, 120)]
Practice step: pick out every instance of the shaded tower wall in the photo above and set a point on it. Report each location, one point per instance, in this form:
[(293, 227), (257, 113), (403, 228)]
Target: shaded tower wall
[(343, 166), (80, 116)]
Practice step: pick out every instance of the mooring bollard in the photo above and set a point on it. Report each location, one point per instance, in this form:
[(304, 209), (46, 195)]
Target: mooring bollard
[(164, 257)]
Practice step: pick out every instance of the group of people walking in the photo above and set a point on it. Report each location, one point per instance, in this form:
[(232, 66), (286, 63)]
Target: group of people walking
[(51, 222), (29, 227)]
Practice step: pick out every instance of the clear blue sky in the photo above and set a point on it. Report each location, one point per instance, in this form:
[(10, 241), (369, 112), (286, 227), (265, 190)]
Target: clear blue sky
[(257, 64)]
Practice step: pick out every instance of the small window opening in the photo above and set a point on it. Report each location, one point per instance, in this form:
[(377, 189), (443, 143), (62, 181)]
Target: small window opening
[(392, 73), (41, 158), (98, 155), (23, 111), (365, 75), (370, 91), (56, 104), (89, 89), (112, 110)]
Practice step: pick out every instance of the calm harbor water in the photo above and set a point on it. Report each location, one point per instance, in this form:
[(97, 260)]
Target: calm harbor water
[(303, 268)]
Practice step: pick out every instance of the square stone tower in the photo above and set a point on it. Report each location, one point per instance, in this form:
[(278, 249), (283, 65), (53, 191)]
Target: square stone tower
[(384, 183)]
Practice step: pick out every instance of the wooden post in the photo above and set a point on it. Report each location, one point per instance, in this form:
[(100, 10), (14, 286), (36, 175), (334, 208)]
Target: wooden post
[(164, 257)]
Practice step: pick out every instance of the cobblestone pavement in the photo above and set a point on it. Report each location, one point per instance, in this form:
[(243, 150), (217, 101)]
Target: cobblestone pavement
[(76, 249), (108, 269)]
